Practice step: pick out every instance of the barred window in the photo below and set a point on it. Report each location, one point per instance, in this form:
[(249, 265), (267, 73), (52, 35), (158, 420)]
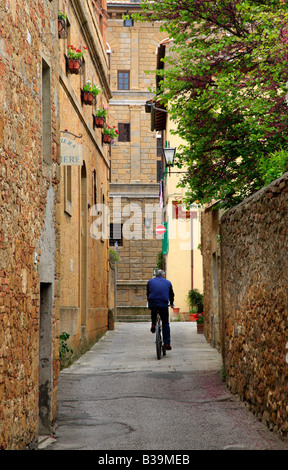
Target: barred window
[(159, 170)]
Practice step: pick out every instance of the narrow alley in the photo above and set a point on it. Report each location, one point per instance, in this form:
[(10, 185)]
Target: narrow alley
[(119, 396)]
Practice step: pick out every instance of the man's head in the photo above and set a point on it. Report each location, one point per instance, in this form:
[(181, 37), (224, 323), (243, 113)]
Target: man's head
[(160, 273)]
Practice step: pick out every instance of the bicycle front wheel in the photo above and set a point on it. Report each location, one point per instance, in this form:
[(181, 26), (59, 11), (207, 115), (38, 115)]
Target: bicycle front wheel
[(158, 342)]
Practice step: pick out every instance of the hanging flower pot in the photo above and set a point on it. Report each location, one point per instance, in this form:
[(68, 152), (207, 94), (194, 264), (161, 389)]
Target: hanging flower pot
[(62, 28), (99, 121), (89, 93), (74, 60), (100, 117), (74, 66), (107, 138), (109, 134), (88, 98)]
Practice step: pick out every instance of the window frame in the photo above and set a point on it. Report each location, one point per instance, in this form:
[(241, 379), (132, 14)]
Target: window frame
[(122, 82), (124, 130)]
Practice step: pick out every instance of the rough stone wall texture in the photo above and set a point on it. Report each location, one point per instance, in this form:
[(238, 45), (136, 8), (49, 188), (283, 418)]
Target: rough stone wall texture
[(27, 35), (210, 250), (254, 259)]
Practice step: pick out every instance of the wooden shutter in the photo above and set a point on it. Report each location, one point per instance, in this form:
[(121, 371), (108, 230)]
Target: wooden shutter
[(124, 132)]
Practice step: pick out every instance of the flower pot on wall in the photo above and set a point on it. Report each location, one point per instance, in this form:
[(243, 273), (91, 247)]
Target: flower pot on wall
[(106, 138), (74, 66), (98, 121), (62, 29), (88, 98)]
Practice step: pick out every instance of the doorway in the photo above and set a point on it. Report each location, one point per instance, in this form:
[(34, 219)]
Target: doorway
[(83, 253), (45, 359)]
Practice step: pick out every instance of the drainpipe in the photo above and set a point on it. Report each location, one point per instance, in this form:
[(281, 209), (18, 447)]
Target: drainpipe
[(192, 260)]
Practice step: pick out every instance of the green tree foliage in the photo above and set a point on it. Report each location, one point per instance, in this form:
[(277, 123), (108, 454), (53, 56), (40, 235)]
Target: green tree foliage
[(224, 83)]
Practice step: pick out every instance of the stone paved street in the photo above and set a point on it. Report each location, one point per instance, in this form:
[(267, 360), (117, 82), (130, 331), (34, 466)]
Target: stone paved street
[(118, 396)]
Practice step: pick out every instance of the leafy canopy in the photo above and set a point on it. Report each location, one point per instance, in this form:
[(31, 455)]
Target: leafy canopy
[(224, 83)]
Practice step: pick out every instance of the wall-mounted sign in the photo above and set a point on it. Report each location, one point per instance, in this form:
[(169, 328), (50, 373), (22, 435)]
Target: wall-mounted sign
[(71, 152)]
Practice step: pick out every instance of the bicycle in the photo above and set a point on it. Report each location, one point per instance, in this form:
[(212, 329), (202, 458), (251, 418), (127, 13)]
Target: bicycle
[(160, 346)]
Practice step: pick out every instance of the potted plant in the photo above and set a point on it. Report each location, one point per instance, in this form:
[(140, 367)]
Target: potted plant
[(100, 116), (90, 92), (62, 28), (195, 301), (200, 323), (109, 134), (74, 59)]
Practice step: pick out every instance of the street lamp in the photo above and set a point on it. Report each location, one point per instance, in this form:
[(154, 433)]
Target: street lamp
[(169, 154)]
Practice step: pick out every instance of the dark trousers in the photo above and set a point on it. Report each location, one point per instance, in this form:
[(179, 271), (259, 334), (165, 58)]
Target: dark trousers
[(164, 315)]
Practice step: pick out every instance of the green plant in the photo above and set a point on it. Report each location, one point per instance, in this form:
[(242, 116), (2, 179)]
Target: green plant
[(73, 53), (114, 255), (273, 167), (200, 319), (89, 88), (160, 260), (224, 81), (112, 131), (63, 347), (195, 299), (62, 15), (102, 112)]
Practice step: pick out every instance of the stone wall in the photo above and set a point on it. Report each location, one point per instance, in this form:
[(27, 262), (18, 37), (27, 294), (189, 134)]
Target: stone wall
[(210, 249), (134, 161), (254, 302), (29, 249), (84, 279)]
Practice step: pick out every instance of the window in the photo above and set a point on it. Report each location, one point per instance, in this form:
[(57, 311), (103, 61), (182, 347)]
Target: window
[(116, 234), (124, 132), (123, 80), (68, 189), (159, 170), (94, 185), (159, 147), (46, 114)]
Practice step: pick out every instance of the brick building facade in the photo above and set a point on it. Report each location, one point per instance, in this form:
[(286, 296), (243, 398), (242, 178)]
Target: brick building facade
[(135, 166), (54, 274), (29, 235)]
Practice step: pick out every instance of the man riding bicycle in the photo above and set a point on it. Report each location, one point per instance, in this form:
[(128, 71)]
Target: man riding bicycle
[(159, 293)]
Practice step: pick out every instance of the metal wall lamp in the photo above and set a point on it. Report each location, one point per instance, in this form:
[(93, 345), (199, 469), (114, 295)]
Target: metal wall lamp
[(169, 154)]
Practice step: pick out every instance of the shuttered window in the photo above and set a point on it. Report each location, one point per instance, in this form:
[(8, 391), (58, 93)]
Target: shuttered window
[(124, 132)]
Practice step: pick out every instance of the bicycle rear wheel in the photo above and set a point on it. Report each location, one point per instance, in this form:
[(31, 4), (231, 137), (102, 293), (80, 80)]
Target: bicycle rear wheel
[(158, 342)]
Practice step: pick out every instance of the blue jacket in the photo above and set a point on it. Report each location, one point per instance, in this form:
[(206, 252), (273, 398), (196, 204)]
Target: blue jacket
[(159, 292)]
